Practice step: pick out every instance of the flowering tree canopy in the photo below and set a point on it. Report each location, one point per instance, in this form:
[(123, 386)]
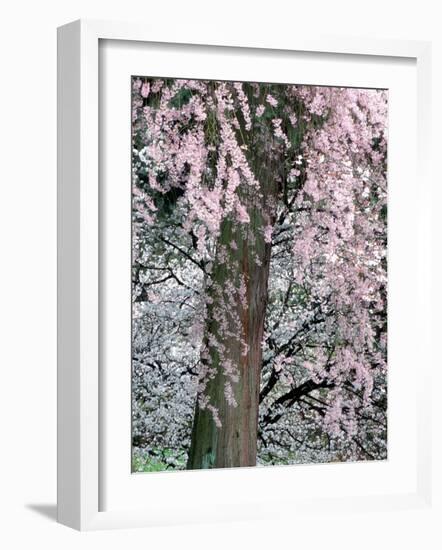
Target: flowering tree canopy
[(259, 273)]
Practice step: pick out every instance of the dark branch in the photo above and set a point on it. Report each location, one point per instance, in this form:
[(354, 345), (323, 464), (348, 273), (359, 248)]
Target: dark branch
[(184, 253), (294, 395)]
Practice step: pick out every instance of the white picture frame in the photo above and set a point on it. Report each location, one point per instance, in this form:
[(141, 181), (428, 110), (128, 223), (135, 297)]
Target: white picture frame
[(79, 293)]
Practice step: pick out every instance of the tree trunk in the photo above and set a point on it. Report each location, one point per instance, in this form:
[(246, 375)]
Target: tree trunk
[(234, 443)]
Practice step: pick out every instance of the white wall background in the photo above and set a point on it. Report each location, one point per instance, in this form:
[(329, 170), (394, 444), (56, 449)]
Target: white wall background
[(28, 269)]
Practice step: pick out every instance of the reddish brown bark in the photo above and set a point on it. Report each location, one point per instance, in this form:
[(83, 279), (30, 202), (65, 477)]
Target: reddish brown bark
[(234, 443)]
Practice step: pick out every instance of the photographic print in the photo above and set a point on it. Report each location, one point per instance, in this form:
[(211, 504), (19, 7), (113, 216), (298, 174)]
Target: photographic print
[(259, 274)]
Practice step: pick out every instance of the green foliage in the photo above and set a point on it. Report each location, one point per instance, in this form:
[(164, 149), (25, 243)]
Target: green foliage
[(212, 129), (165, 202), (158, 460), (181, 98)]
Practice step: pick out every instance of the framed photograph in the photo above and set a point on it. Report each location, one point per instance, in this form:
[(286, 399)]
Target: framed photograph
[(243, 276)]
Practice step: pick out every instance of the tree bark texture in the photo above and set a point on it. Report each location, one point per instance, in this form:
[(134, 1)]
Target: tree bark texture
[(234, 443)]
